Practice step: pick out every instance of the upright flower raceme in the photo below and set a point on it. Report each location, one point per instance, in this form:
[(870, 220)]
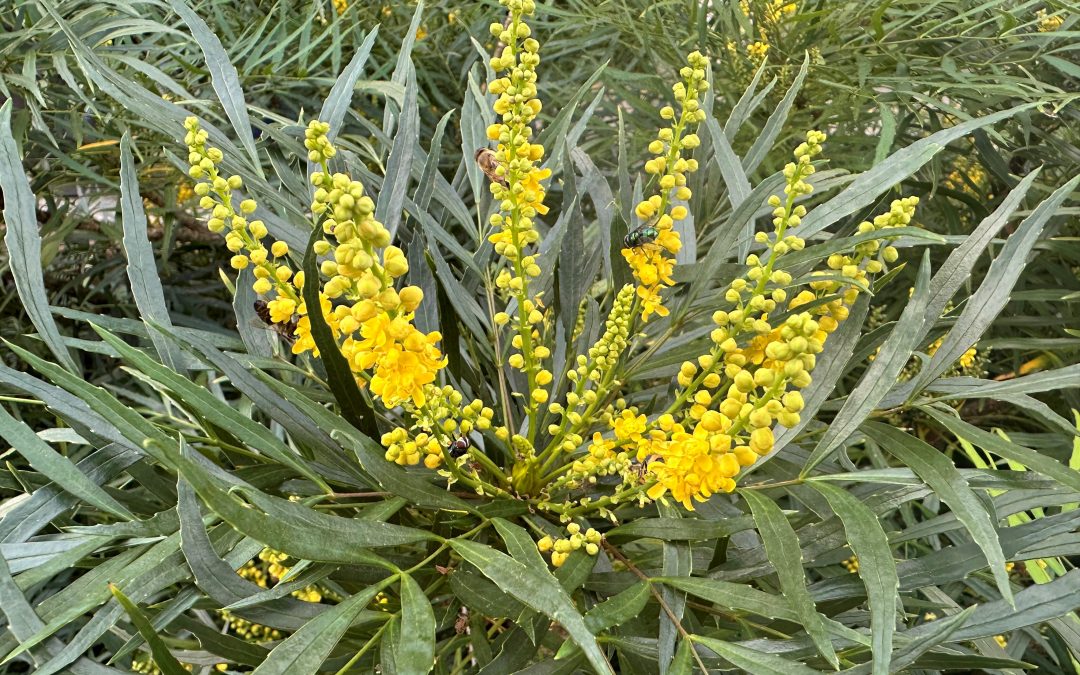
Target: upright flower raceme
[(517, 187), (359, 301), (654, 238), (274, 279), (381, 343)]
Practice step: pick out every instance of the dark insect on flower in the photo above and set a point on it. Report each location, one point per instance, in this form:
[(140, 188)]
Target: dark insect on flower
[(489, 163), (643, 469), (287, 331), (459, 446), (641, 236)]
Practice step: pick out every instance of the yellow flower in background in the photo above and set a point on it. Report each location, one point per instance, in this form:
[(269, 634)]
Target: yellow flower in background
[(1048, 23), (340, 6), (757, 50)]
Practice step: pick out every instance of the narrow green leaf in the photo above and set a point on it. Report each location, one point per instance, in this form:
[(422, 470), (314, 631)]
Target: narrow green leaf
[(395, 479), (983, 306), (731, 169), (753, 661), (747, 103), (519, 544), (960, 263), (276, 406), (354, 407), (1035, 461), (403, 68), (683, 529), (948, 483), (1048, 380), (399, 164), (1034, 604), (23, 242), (877, 569), (58, 468), (218, 578), (141, 266), (25, 519), (888, 133), (109, 418), (541, 592), (732, 597), (223, 77), (163, 658), (868, 185), (782, 546), (213, 409), (882, 373), (676, 562), (682, 663), (340, 97), (305, 650), (619, 608), (294, 528), (938, 632), (764, 141), (415, 655)]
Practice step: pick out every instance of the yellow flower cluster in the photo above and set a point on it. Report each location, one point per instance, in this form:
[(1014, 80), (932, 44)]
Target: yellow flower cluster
[(340, 6), (655, 235), (757, 51), (854, 268), (437, 427), (731, 397), (767, 17), (1048, 23), (588, 541), (851, 564), (380, 342), (772, 11), (397, 359)]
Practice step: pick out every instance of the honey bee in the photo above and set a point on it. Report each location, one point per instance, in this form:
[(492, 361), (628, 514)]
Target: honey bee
[(489, 164), (287, 331)]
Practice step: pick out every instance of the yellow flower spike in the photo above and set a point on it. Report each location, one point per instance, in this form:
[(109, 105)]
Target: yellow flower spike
[(646, 245)]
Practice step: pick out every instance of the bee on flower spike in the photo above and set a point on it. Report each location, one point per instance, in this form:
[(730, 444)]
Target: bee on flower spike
[(489, 164), (287, 330)]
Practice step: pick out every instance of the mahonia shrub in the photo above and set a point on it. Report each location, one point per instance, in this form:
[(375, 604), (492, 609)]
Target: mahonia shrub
[(546, 450), (595, 450)]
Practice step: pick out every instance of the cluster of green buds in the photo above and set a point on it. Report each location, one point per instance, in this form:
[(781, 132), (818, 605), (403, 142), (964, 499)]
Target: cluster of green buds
[(437, 426), (870, 257), (588, 541), (604, 458), (243, 238), (593, 375)]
